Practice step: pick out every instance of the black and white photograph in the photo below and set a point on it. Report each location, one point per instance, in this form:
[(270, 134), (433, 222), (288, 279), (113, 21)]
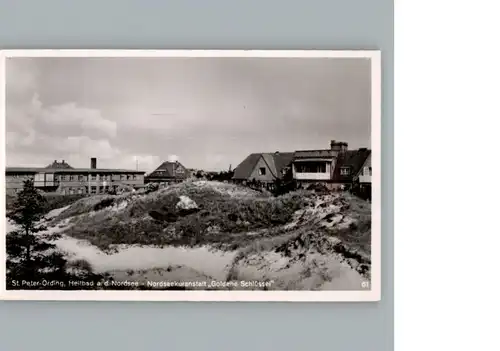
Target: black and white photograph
[(191, 175)]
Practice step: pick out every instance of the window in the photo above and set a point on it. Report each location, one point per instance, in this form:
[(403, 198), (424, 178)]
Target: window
[(345, 171), (93, 189), (93, 177), (262, 171), (310, 167), (72, 178), (81, 178), (370, 170), (134, 177)]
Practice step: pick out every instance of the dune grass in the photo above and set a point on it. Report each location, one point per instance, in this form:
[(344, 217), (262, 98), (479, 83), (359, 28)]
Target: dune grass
[(358, 235), (153, 219)]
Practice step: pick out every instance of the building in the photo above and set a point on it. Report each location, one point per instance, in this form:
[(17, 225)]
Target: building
[(365, 173), (334, 166), (263, 167), (60, 177), (168, 172), (363, 180)]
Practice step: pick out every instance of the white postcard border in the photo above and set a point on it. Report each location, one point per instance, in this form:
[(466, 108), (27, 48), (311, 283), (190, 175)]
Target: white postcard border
[(373, 294)]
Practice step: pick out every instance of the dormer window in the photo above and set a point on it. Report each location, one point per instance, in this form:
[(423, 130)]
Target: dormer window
[(345, 171)]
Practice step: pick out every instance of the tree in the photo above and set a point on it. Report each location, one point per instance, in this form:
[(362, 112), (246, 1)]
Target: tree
[(31, 256), (285, 184)]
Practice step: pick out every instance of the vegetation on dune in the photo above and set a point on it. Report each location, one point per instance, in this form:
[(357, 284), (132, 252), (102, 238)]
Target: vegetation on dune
[(357, 235), (250, 224), (309, 233), (296, 229), (155, 219)]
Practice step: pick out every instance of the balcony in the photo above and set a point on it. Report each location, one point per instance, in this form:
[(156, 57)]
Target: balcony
[(312, 176)]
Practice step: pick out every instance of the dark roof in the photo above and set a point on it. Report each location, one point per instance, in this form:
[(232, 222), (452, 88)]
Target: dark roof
[(245, 168), (275, 161), (68, 170), (354, 159), (167, 170), (282, 160), (315, 153)]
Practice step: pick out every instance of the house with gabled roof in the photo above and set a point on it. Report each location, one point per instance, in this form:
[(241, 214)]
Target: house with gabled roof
[(263, 167), (167, 172), (334, 166)]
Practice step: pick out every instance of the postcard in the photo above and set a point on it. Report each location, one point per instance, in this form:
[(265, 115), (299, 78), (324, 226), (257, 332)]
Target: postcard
[(191, 175)]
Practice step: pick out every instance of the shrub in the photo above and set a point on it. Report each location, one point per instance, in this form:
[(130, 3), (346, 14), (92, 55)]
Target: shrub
[(150, 187)]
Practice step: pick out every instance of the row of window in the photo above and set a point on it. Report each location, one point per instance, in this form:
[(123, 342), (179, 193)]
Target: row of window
[(93, 190), (310, 168), (71, 177)]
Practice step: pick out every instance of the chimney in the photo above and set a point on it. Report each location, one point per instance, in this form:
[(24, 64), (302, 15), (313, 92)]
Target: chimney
[(338, 146), (93, 163)]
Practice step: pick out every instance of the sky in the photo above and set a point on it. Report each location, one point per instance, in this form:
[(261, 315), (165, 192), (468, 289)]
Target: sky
[(207, 113)]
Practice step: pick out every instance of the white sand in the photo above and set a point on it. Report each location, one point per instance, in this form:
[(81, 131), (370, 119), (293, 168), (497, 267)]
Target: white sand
[(212, 263)]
